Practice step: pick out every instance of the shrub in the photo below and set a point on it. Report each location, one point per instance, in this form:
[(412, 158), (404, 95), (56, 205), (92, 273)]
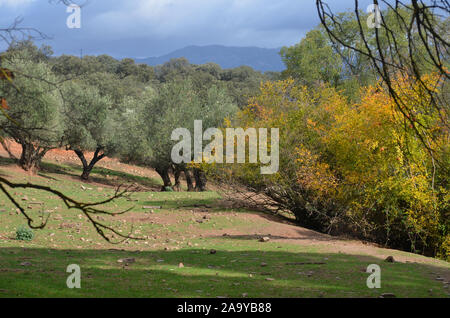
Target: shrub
[(24, 233)]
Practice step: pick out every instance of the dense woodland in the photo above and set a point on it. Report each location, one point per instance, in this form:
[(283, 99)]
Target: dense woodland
[(351, 160)]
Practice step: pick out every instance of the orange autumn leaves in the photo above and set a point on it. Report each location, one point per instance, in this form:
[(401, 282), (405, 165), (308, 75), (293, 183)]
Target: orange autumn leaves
[(4, 103), (7, 75)]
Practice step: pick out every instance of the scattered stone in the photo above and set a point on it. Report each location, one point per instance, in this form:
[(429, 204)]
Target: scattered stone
[(390, 259), (270, 279), (387, 295), (127, 260), (264, 239), (244, 295), (25, 264), (440, 279), (263, 264), (181, 265), (306, 263)]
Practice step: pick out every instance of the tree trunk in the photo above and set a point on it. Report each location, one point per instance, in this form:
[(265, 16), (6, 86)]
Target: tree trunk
[(31, 157), (86, 173), (200, 180), (189, 179), (87, 167), (164, 174), (177, 173)]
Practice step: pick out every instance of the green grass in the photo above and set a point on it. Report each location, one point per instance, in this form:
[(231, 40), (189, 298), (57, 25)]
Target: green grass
[(174, 235)]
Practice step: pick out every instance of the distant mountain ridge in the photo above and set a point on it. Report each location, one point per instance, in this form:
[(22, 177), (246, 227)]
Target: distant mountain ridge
[(227, 57)]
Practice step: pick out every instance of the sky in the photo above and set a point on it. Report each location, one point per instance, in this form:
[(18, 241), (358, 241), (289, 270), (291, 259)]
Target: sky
[(146, 28)]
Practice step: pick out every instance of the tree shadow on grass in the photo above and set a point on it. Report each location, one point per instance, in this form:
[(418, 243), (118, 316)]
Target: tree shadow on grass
[(7, 161), (175, 201), (226, 274), (99, 175), (310, 236)]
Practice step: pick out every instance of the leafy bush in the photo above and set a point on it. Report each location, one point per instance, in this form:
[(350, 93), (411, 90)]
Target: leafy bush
[(24, 233), (168, 189), (354, 167)]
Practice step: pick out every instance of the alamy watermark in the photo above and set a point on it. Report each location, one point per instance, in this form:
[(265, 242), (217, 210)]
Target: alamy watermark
[(374, 279), (374, 19), (74, 279), (74, 19), (258, 146)]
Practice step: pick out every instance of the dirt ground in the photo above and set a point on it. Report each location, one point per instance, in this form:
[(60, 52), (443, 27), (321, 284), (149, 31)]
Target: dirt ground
[(69, 157)]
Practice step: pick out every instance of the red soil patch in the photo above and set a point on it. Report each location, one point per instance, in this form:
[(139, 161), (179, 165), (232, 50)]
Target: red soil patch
[(69, 157)]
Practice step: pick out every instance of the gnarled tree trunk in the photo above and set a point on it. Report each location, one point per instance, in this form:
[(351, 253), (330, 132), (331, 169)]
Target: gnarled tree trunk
[(177, 173), (87, 167), (200, 180), (164, 174), (189, 178), (31, 157)]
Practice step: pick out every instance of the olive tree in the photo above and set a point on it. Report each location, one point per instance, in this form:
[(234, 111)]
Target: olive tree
[(149, 121), (88, 118), (34, 119)]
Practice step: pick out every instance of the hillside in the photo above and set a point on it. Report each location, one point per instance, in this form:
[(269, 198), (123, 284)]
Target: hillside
[(195, 245), (227, 57)]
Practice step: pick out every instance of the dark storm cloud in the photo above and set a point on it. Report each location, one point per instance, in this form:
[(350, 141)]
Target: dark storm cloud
[(142, 28)]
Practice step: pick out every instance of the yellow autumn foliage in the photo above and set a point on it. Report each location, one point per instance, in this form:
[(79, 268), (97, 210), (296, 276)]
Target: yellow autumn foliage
[(359, 167)]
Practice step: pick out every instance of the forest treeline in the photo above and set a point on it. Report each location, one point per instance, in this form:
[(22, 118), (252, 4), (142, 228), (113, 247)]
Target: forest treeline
[(114, 108), (351, 160)]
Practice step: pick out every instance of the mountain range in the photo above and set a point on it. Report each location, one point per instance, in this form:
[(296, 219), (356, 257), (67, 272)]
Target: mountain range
[(260, 59)]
